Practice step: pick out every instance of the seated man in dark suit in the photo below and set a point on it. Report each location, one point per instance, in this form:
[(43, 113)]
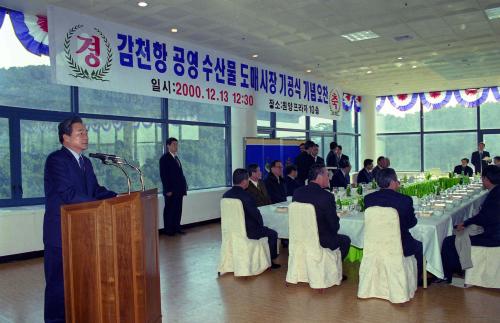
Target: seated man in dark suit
[(477, 158), (304, 161), (464, 169), (488, 218), (325, 207), (496, 160), (275, 184), (291, 183), (314, 154), (388, 196), (365, 175), (253, 219), (341, 176), (379, 167), (257, 187), (69, 178)]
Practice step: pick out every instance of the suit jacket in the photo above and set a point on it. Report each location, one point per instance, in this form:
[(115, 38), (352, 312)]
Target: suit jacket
[(275, 189), (291, 185), (172, 176), (253, 219), (375, 171), (319, 160), (331, 159), (364, 176), (489, 215), (304, 161), (404, 205), (467, 170), (476, 160), (339, 179), (259, 194), (326, 214), (66, 183)]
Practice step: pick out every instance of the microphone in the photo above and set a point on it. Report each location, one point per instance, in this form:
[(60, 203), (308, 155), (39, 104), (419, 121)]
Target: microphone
[(102, 157)]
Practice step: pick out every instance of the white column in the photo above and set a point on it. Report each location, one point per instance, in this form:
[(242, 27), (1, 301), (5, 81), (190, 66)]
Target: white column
[(368, 147), (243, 124)]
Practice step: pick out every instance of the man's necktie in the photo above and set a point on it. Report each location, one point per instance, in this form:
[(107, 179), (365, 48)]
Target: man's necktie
[(178, 161), (82, 163)]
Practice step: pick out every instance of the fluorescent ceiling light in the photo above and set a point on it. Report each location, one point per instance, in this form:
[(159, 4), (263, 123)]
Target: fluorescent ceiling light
[(400, 57), (174, 30), (308, 71), (493, 13), (369, 72), (142, 4), (255, 55), (361, 35), (414, 66)]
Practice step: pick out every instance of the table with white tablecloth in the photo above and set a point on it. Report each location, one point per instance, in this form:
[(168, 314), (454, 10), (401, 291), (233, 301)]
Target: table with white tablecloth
[(430, 230)]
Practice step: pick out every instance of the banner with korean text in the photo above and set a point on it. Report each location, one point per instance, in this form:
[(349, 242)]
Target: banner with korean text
[(93, 53)]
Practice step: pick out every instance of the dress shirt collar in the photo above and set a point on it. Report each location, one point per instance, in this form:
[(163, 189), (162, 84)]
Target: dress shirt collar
[(173, 155), (77, 156), (256, 184)]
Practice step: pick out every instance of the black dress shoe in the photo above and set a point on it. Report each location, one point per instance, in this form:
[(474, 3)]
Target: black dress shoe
[(441, 281), (275, 266), (344, 277), (181, 232)]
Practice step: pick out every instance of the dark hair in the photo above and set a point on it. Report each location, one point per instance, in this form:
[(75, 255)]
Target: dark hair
[(314, 171), (308, 144), (239, 175), (274, 162), (385, 176), (496, 158), (301, 144), (492, 172), (481, 143), (333, 145), (252, 168), (289, 169), (316, 145), (65, 127), (379, 159), (343, 163), (171, 140), (339, 147), (466, 159), (367, 162)]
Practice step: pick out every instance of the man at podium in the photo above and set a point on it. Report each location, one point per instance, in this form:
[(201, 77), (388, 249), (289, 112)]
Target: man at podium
[(68, 178)]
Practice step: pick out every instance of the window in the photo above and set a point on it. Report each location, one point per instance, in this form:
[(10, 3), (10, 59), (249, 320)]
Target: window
[(324, 145), (321, 124), (114, 103), (5, 191), (140, 143), (290, 121), (348, 147), (25, 79), (263, 118), (450, 118), (403, 151), (38, 140), (389, 119), (290, 134), (202, 154), (445, 150), (194, 111), (492, 142), (346, 123), (490, 116)]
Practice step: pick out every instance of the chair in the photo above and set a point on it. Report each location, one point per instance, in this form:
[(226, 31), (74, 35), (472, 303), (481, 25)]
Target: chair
[(243, 256), (384, 271), (307, 261), (486, 270)]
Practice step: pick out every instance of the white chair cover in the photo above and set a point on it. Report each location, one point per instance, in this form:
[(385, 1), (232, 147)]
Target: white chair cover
[(243, 256), (486, 270), (307, 261), (384, 271)]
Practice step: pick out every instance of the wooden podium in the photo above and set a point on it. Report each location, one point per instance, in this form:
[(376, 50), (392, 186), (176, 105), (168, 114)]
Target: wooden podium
[(110, 256)]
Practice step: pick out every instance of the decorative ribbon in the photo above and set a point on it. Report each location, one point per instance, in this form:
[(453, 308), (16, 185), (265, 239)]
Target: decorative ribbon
[(32, 32)]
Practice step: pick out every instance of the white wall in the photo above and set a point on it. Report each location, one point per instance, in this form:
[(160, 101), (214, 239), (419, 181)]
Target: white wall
[(367, 129), (243, 124)]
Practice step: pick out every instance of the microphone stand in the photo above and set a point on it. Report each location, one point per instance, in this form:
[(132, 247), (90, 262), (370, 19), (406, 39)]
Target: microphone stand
[(140, 174), (118, 165), (117, 161)]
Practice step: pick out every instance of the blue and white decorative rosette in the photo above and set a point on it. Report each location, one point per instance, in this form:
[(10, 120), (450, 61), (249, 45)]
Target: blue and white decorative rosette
[(471, 98), (403, 102), (436, 99), (32, 32)]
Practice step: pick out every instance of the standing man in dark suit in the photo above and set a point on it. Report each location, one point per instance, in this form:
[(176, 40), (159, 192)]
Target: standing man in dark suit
[(174, 188), (291, 183), (388, 196), (275, 184), (254, 223), (68, 178), (256, 186), (325, 207), (464, 168), (304, 161), (314, 154), (488, 218), (341, 176), (365, 175), (331, 158), (477, 158), (341, 156)]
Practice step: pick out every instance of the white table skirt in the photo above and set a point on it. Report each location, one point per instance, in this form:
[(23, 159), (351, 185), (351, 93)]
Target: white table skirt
[(430, 230)]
